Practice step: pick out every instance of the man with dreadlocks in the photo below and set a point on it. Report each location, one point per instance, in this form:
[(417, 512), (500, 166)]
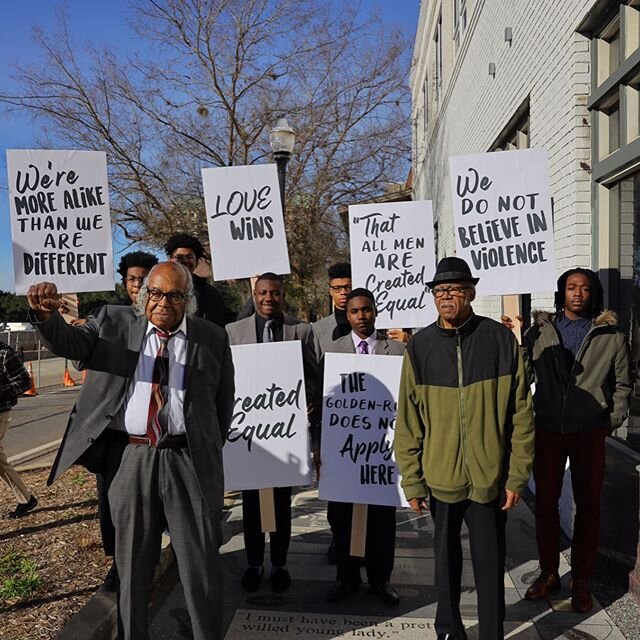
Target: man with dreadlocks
[(580, 363)]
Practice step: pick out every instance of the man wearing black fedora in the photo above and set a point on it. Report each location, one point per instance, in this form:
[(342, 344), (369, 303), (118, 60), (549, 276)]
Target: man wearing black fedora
[(464, 440)]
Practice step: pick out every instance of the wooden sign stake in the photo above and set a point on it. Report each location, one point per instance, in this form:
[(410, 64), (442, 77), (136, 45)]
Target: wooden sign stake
[(359, 530), (267, 510), (511, 308)]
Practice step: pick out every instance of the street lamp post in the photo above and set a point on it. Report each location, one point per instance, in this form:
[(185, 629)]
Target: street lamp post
[(282, 139)]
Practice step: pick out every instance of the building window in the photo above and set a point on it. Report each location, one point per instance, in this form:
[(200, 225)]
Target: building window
[(438, 50), (459, 21)]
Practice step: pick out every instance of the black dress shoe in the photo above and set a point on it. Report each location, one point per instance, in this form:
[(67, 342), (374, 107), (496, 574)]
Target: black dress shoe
[(386, 592), (112, 579), (280, 579), (451, 636), (340, 591), (252, 578), (23, 508)]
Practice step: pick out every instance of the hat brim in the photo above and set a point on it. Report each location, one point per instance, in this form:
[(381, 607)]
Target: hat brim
[(452, 277)]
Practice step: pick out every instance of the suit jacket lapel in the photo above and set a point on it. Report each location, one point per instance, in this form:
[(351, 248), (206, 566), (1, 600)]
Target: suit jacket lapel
[(382, 344), (193, 344), (288, 330), (136, 335)]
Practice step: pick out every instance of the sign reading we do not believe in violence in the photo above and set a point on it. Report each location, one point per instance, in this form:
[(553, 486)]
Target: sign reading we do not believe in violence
[(503, 217), (245, 221), (268, 444), (358, 426), (60, 221), (392, 255)]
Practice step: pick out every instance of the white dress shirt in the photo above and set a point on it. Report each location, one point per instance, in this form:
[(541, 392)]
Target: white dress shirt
[(371, 342), (136, 405)]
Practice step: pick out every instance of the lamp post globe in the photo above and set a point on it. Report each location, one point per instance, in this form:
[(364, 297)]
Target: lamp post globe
[(282, 139)]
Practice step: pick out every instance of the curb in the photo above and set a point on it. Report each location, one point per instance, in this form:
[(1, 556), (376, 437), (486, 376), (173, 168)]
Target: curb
[(32, 454), (98, 619)]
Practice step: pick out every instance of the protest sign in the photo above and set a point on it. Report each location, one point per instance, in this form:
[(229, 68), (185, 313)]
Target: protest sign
[(358, 425), (392, 255), (60, 221), (268, 441), (503, 219), (245, 221)]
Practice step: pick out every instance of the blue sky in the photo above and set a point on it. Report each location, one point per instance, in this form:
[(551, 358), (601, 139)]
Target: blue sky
[(101, 23)]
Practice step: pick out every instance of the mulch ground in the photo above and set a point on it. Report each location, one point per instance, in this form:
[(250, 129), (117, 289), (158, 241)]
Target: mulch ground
[(62, 537)]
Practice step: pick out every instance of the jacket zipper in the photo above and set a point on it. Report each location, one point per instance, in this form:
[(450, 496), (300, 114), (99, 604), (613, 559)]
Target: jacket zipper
[(463, 430)]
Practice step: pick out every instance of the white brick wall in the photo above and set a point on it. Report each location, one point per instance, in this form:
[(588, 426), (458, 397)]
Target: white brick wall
[(547, 62)]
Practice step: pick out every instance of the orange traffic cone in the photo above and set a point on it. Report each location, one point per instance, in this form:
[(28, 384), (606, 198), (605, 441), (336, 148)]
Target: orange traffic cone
[(31, 391), (68, 381)]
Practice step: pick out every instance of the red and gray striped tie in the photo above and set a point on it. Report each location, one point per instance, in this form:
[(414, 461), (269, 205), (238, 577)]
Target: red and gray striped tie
[(157, 420)]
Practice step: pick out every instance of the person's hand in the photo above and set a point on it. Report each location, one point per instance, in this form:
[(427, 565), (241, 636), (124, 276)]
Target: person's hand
[(508, 322), (399, 334), (511, 499), (44, 299), (78, 322), (418, 505), (317, 462)]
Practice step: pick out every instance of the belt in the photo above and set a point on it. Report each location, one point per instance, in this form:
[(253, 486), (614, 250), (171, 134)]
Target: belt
[(170, 442)]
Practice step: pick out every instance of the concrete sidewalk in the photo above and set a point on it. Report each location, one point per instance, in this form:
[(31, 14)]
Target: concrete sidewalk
[(302, 612)]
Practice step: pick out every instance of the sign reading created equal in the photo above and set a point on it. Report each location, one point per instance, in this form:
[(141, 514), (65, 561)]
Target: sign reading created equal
[(60, 221), (268, 444), (503, 217), (245, 221), (358, 426), (392, 255)]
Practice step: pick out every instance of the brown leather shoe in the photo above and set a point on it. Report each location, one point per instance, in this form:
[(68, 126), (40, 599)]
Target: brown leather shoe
[(581, 598), (545, 583)]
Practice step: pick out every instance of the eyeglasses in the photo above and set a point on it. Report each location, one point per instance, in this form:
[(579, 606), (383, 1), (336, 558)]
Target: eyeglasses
[(183, 257), (174, 297), (337, 288), (439, 292), (135, 279)]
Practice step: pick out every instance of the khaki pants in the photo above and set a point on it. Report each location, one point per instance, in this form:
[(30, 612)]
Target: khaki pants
[(7, 472)]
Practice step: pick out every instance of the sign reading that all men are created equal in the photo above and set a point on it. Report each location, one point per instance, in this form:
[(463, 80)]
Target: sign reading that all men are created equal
[(392, 255), (245, 221), (503, 217), (60, 221), (268, 441), (358, 424)]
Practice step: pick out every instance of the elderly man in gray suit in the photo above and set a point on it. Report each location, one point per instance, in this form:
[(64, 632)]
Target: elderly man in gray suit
[(364, 339), (154, 419), (270, 324)]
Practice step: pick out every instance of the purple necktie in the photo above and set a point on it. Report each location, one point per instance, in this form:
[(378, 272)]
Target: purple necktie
[(363, 347)]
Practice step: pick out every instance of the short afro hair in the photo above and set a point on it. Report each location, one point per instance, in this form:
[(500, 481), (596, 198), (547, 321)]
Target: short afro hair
[(361, 292), (178, 240), (136, 259), (269, 275), (339, 270), (596, 304)]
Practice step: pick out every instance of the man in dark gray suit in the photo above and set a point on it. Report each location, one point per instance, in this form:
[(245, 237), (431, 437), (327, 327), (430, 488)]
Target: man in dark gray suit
[(154, 419), (270, 324), (381, 520)]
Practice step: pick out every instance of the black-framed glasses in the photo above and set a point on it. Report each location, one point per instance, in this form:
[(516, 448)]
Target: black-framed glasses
[(337, 288), (135, 279), (175, 297), (439, 292)]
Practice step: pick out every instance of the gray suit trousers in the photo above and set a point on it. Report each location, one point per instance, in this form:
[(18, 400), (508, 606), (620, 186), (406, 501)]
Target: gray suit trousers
[(154, 488)]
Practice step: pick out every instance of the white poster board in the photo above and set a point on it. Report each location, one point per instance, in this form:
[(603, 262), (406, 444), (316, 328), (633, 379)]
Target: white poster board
[(359, 405), (245, 221), (392, 255), (60, 220), (503, 218), (268, 441)]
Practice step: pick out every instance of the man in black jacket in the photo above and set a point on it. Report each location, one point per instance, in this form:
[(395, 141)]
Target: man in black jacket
[(188, 250)]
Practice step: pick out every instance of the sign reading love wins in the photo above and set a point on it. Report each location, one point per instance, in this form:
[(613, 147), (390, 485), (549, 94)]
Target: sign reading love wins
[(245, 221)]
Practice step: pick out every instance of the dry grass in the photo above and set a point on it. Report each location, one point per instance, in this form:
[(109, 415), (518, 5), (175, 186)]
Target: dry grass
[(62, 538)]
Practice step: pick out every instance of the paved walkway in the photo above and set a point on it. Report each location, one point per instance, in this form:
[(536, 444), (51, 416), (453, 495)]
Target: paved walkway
[(303, 612)]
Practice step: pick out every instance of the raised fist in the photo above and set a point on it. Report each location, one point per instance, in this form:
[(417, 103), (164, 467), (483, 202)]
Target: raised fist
[(44, 299)]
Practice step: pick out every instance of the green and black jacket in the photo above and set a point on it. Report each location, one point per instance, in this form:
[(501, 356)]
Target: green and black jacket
[(594, 391), (465, 426)]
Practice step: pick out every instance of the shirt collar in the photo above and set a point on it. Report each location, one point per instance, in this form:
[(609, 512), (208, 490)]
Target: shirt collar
[(371, 341), (182, 327), (566, 322)]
